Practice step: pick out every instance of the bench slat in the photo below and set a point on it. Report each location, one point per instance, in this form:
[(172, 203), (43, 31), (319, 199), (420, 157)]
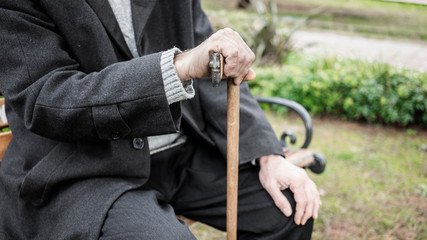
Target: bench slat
[(3, 120), (4, 142), (6, 136)]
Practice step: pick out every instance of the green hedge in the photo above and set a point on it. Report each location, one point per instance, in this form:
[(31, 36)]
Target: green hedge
[(352, 89)]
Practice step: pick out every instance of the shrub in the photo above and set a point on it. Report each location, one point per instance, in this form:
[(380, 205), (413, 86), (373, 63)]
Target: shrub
[(352, 89)]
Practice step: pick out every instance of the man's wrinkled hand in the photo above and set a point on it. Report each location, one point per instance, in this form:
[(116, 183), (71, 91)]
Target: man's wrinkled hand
[(238, 57), (277, 174)]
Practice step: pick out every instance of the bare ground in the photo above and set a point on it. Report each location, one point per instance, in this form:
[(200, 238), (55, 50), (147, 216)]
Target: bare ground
[(404, 54)]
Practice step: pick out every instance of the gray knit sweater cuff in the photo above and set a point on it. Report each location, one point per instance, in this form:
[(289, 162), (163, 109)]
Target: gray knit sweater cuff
[(175, 89)]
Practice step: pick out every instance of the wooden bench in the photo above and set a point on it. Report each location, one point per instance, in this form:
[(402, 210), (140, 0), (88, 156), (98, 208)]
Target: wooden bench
[(5, 137)]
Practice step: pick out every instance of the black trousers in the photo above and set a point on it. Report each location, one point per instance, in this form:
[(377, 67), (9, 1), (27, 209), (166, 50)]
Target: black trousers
[(190, 180)]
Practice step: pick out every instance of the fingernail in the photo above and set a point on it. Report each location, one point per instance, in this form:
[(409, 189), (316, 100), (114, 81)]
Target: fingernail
[(287, 212)]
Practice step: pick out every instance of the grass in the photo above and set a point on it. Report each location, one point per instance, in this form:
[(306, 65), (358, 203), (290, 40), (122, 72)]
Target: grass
[(372, 184), (375, 183), (363, 17)]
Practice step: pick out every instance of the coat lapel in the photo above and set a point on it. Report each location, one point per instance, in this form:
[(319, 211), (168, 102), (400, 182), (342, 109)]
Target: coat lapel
[(106, 16), (141, 10)]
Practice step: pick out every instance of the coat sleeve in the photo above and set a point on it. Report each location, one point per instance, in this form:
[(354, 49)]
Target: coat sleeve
[(47, 88)]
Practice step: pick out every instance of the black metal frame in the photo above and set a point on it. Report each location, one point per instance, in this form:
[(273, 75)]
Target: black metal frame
[(319, 164), (300, 110)]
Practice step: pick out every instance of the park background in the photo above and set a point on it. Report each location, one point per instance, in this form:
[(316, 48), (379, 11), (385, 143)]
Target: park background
[(359, 67)]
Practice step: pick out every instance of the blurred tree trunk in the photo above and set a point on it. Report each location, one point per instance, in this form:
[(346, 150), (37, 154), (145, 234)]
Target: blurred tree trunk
[(243, 4)]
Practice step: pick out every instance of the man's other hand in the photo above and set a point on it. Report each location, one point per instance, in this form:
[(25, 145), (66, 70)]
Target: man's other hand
[(277, 174)]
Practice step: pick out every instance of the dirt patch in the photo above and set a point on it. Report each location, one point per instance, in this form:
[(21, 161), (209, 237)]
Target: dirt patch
[(304, 8), (343, 230)]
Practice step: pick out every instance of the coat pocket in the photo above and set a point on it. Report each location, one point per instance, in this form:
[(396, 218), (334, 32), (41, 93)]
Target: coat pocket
[(37, 184)]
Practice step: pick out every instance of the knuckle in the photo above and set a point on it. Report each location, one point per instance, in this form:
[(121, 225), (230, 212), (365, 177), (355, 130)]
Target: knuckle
[(232, 64), (314, 202), (279, 204), (303, 202), (299, 214), (228, 30), (234, 51), (302, 176), (252, 56), (243, 60), (302, 172), (251, 53), (219, 32), (268, 185), (230, 71), (237, 34)]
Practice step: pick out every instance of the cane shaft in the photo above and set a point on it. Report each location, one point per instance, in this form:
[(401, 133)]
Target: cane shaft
[(233, 97), (216, 64)]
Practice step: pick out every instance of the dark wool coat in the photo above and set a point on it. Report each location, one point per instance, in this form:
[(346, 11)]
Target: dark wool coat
[(80, 109)]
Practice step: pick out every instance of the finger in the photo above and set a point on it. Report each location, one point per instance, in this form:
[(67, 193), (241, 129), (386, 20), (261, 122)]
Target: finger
[(246, 73), (280, 200), (317, 205), (308, 212), (315, 199), (237, 71), (316, 210), (238, 80), (249, 73), (313, 202), (250, 76), (242, 75), (301, 204), (238, 57), (231, 61)]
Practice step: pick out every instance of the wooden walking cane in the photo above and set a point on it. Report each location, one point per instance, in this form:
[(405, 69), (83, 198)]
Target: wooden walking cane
[(233, 100)]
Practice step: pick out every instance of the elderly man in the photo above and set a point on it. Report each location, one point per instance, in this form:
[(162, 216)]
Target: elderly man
[(116, 129)]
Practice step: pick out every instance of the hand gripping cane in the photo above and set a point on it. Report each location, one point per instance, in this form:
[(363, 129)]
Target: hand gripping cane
[(216, 61)]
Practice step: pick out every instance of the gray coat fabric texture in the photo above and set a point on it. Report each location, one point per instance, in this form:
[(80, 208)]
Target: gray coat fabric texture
[(80, 109)]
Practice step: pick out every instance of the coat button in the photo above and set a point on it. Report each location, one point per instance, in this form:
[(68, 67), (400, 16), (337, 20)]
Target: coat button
[(138, 143), (115, 135)]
